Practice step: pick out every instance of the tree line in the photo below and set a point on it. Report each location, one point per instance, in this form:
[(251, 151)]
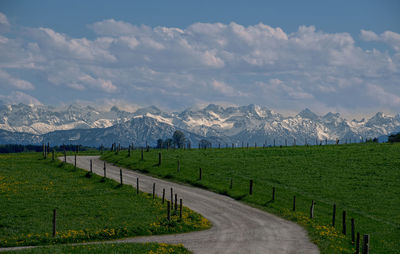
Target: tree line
[(178, 140), (15, 148)]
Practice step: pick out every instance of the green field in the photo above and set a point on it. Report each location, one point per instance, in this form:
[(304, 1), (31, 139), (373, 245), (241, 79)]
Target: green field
[(148, 248), (362, 179), (88, 208)]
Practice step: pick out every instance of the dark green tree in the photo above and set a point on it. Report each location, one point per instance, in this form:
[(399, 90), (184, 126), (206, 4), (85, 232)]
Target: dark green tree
[(168, 143), (205, 144), (160, 143), (178, 138), (394, 138)]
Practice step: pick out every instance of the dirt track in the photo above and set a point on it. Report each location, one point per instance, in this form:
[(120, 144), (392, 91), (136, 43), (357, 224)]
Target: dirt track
[(237, 228)]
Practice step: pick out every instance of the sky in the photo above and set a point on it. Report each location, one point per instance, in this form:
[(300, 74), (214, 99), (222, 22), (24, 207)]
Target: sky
[(338, 56)]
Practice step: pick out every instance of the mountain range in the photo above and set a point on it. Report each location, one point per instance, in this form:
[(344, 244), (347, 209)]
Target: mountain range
[(86, 125)]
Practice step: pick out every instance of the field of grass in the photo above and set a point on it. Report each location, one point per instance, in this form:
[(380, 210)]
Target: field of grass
[(148, 248), (362, 179), (88, 208)]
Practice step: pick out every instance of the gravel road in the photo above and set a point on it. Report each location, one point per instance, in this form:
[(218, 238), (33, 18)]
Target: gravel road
[(237, 228)]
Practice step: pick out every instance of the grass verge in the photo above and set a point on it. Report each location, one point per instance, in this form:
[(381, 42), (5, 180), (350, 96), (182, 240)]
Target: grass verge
[(120, 248)]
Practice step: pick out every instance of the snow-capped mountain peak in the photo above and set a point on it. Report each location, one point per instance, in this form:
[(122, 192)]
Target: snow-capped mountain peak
[(250, 123), (308, 114)]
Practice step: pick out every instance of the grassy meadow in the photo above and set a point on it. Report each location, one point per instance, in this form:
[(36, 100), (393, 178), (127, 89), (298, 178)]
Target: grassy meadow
[(88, 208), (120, 248), (361, 179)]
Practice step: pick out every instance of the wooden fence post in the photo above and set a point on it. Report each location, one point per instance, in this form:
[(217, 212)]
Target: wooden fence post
[(65, 156), (137, 185), (172, 197), (75, 162), (159, 159), (180, 209), (120, 176), (251, 187), (163, 195), (358, 243), (365, 249), (200, 173), (333, 215), (312, 209), (54, 222), (168, 210), (294, 203), (273, 193), (91, 166), (105, 169), (352, 231), (344, 222), (176, 203)]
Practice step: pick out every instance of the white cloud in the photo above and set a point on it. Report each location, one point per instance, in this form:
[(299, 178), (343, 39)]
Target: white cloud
[(105, 85), (368, 35), (112, 27), (223, 88), (382, 96), (206, 62), (19, 97), (7, 80), (130, 41), (388, 37), (4, 24), (3, 20), (57, 45)]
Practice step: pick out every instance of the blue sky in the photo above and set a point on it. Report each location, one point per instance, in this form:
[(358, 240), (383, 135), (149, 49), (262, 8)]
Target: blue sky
[(287, 55)]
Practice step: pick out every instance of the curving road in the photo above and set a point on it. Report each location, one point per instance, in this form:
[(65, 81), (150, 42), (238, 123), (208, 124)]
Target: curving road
[(237, 228)]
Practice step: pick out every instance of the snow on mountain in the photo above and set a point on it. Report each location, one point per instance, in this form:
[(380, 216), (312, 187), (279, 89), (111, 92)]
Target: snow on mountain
[(38, 119), (252, 123)]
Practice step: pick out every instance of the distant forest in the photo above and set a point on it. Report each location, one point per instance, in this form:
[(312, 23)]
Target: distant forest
[(394, 137), (10, 148)]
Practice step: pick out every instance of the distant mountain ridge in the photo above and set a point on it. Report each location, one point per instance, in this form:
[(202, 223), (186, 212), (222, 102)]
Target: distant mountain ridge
[(254, 124)]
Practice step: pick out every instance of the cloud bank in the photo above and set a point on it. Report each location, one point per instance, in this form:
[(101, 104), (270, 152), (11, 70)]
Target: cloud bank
[(203, 63)]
